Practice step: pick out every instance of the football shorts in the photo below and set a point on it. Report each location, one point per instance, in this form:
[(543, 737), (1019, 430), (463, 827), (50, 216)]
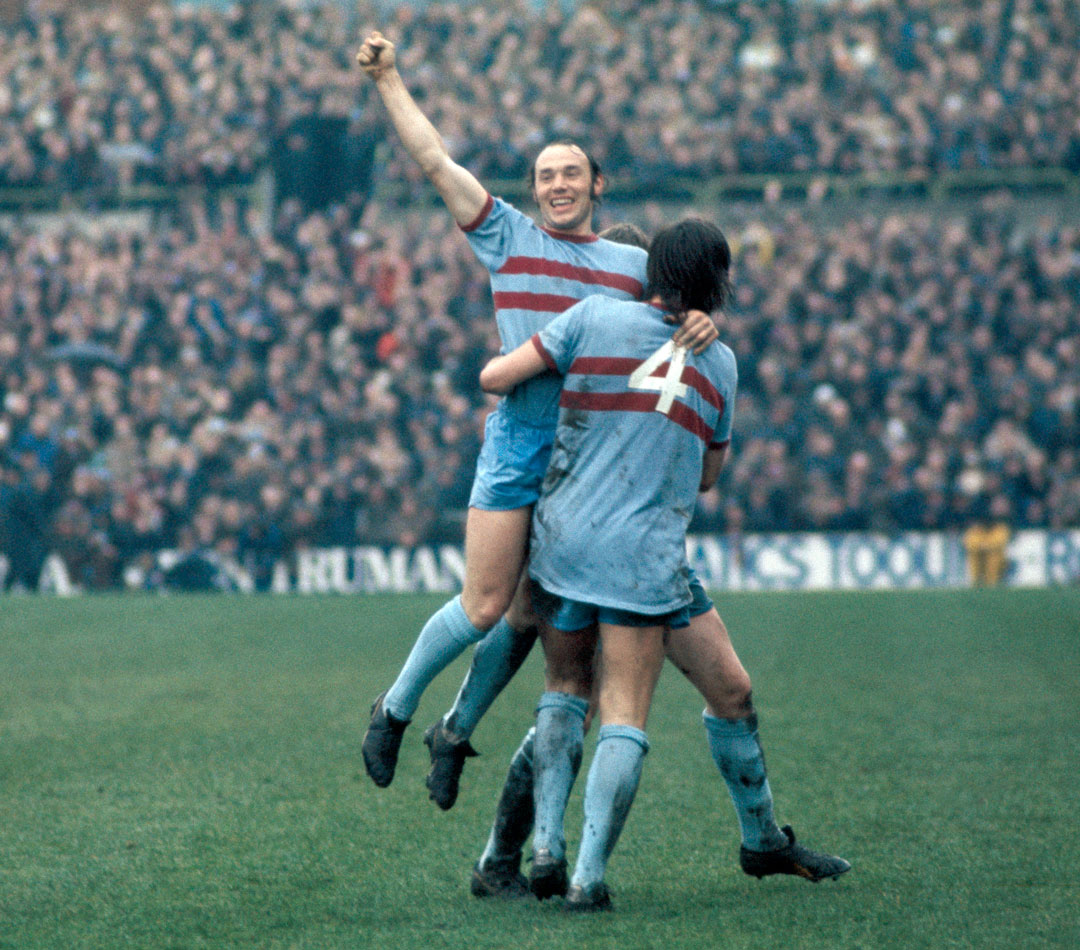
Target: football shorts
[(569, 615), (512, 463), (701, 604)]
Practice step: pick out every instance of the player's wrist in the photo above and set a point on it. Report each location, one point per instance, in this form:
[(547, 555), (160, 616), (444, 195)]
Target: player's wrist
[(384, 72)]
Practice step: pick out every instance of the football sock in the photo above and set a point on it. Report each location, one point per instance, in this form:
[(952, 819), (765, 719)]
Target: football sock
[(443, 639), (560, 736), (609, 793), (495, 661), (737, 752), (514, 813)]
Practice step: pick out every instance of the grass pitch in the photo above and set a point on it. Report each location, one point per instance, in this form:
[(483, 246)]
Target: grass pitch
[(185, 772)]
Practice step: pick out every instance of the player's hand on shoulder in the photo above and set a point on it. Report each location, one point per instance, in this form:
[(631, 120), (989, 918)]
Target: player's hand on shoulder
[(697, 330), (376, 54)]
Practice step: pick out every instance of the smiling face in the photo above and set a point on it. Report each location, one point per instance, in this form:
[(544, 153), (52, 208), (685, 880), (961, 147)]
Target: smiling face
[(564, 188)]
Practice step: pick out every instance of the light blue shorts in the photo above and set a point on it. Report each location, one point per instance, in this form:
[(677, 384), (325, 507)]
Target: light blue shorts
[(512, 463), (569, 615)]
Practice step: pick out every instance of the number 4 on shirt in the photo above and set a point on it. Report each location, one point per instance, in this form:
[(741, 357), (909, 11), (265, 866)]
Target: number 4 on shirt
[(670, 385)]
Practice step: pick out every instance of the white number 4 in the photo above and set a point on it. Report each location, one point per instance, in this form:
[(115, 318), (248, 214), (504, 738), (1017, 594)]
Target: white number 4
[(668, 386)]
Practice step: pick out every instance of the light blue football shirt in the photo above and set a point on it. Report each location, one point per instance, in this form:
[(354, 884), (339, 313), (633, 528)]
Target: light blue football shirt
[(610, 526), (536, 274)]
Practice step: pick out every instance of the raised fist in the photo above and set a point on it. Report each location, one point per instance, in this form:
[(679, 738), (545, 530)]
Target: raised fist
[(376, 55)]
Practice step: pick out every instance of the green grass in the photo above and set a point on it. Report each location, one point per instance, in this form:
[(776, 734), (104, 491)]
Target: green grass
[(185, 772)]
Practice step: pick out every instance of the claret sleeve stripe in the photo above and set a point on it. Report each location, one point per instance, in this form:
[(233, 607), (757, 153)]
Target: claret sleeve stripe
[(541, 267), (544, 354), (480, 218)]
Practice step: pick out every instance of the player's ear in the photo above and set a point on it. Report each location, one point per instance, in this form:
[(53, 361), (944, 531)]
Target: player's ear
[(597, 186)]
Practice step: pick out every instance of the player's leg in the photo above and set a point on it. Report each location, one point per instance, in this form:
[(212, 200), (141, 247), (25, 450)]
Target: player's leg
[(508, 476), (497, 873), (560, 738), (568, 680), (632, 658), (495, 661), (495, 546), (704, 652)]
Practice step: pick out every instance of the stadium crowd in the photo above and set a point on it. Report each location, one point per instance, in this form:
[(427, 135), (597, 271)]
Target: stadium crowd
[(196, 94), (210, 385), (250, 384)]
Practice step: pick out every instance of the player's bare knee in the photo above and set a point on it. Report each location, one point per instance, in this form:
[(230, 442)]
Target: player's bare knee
[(484, 610), (567, 677), (734, 700), (743, 700), (572, 685)]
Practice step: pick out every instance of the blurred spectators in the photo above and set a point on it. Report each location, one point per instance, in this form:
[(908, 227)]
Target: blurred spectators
[(237, 385), (204, 94), (206, 386)]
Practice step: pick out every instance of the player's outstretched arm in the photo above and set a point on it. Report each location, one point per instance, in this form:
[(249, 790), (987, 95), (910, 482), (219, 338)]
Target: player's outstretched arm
[(697, 332), (503, 373), (463, 194)]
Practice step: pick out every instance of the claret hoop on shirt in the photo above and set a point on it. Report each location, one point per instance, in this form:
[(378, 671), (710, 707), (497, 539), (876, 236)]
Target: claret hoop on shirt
[(671, 385)]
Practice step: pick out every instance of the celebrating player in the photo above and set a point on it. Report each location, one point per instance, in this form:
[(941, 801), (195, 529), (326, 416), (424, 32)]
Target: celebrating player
[(643, 426), (536, 273)]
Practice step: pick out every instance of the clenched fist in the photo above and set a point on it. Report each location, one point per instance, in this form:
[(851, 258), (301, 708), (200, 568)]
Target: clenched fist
[(376, 55)]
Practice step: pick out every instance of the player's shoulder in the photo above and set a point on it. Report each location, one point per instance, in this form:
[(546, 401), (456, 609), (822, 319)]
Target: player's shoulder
[(608, 311), (501, 209), (630, 251), (499, 216), (719, 359), (629, 256), (725, 353)]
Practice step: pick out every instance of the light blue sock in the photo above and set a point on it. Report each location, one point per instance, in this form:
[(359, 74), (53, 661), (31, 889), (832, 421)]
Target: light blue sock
[(443, 639), (737, 752), (560, 736), (495, 661), (514, 813), (609, 793)]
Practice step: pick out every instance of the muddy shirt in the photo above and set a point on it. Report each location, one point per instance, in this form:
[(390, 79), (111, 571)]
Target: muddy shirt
[(636, 416)]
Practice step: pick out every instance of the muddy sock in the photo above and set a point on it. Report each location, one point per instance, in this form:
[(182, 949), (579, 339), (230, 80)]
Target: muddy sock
[(737, 752), (443, 639), (560, 735), (514, 813), (609, 793), (495, 661)]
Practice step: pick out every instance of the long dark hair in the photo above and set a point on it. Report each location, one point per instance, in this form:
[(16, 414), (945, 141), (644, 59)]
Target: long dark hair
[(688, 266)]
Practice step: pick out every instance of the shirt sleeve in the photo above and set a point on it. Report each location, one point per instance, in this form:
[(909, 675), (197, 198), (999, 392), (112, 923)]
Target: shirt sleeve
[(492, 234), (560, 340), (729, 383)]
